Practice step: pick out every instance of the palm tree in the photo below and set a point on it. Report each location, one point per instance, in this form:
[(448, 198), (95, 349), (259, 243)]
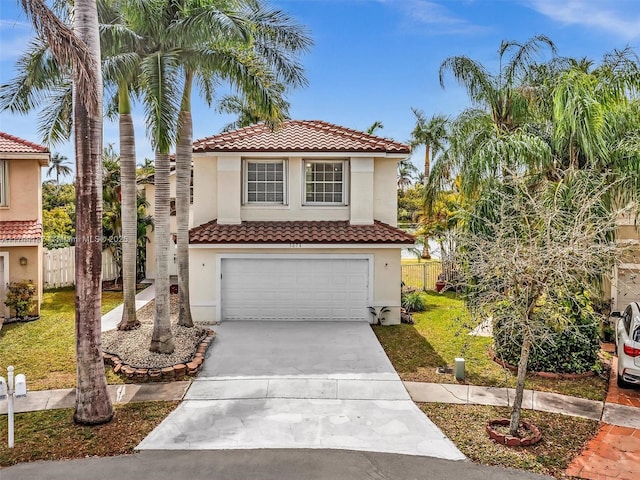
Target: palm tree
[(80, 50), (377, 125), (59, 165), (39, 73), (432, 134), (595, 112), (246, 113), (489, 139), (40, 76), (121, 67), (263, 64), (406, 171)]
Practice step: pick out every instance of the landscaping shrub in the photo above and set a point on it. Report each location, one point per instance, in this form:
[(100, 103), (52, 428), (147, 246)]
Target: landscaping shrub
[(413, 302), (574, 349), (21, 298)]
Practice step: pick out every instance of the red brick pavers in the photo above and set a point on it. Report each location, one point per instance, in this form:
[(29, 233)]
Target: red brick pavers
[(622, 396), (614, 453)]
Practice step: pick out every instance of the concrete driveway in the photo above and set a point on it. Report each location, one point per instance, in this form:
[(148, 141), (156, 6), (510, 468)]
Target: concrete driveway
[(299, 385)]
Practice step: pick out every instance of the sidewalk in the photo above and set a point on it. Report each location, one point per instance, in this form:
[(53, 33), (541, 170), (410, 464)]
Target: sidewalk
[(612, 414)]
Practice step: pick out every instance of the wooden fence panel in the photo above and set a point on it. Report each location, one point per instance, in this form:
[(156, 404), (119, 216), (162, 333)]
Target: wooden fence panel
[(59, 267)]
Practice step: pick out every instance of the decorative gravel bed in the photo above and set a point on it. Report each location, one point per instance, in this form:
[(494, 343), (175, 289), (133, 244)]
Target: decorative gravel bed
[(133, 346)]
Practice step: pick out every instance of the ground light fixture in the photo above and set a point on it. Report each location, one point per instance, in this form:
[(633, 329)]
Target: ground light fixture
[(10, 388)]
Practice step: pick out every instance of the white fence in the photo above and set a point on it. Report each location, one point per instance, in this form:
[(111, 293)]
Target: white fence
[(59, 267)]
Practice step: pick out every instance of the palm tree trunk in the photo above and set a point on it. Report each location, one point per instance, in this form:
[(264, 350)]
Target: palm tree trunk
[(425, 247), (427, 163), (93, 405), (162, 337), (183, 195), (129, 211)]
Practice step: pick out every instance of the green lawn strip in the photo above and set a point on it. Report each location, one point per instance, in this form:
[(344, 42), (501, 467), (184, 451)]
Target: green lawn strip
[(44, 350), (563, 437), (52, 435), (440, 334)]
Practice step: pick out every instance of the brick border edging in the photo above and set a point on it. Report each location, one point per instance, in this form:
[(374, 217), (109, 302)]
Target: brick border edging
[(175, 372), (510, 440), (556, 376)]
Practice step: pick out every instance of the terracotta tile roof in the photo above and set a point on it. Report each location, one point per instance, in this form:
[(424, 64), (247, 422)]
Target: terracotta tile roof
[(299, 136), (20, 231), (11, 144), (298, 232)]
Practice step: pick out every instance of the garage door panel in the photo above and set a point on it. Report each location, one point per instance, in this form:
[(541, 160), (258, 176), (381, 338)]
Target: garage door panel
[(295, 289)]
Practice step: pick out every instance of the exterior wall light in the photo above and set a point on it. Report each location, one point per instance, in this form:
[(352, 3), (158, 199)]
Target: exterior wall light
[(23, 261)]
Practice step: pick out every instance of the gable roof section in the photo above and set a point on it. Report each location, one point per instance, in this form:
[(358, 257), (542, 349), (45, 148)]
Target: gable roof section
[(12, 144), (330, 232), (299, 136), (20, 231)]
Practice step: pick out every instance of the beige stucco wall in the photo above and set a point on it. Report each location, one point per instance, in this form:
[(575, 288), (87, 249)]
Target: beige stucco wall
[(204, 276), (217, 187), (31, 271), (25, 197), (385, 186)]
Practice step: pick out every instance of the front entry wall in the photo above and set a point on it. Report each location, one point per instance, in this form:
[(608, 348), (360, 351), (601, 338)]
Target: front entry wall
[(383, 277)]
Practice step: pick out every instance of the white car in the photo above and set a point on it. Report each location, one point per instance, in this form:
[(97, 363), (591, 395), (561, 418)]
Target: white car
[(628, 345)]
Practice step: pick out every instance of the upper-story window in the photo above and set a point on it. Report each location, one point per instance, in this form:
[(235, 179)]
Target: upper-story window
[(325, 182), (4, 183), (265, 181)]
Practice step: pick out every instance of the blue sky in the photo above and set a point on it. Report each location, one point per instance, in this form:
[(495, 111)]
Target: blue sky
[(375, 59)]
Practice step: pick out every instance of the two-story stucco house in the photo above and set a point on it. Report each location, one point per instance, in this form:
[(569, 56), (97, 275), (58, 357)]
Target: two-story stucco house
[(296, 224), (20, 213)]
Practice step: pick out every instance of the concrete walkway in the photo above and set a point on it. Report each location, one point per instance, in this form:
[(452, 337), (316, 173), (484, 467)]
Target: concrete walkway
[(111, 319)]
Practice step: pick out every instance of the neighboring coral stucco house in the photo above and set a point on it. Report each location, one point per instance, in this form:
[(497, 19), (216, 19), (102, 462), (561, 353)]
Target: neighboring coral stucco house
[(20, 213), (297, 224)]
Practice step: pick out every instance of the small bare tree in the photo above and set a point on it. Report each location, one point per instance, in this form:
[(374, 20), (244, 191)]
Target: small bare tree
[(531, 246)]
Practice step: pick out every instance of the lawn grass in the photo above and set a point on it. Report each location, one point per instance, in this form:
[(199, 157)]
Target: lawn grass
[(44, 350), (440, 334), (52, 435), (563, 437)]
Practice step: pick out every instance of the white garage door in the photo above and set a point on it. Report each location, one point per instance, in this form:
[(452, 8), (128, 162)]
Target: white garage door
[(628, 288), (294, 289)]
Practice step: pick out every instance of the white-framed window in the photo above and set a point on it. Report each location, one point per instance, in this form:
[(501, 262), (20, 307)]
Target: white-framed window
[(4, 183), (265, 181), (325, 182)]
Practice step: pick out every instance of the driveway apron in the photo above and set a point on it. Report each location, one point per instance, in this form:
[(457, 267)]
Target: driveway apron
[(269, 384)]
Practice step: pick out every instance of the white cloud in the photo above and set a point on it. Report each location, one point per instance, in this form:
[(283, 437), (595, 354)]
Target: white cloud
[(620, 17), (439, 18)]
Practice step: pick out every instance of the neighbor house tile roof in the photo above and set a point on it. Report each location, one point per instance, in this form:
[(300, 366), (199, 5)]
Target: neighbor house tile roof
[(20, 231), (299, 136), (11, 144), (298, 232)]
